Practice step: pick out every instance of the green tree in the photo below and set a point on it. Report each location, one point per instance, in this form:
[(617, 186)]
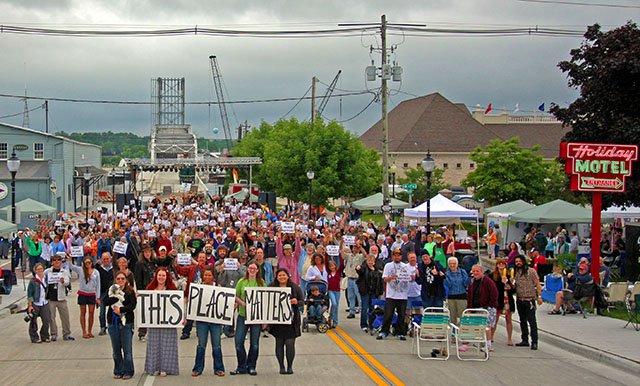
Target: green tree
[(419, 177), (507, 172), (289, 148), (606, 71)]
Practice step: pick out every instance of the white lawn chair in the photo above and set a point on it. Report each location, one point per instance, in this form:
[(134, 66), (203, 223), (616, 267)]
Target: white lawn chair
[(472, 331), (434, 328)]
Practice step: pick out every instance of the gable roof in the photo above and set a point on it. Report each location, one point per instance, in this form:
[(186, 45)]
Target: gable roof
[(32, 131), (433, 122)]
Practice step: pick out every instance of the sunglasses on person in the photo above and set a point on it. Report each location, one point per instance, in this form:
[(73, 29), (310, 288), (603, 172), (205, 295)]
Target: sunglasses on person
[(88, 262), (120, 279)]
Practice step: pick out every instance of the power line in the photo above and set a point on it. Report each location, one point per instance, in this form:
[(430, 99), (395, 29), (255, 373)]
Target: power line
[(297, 103), (22, 112), (580, 3)]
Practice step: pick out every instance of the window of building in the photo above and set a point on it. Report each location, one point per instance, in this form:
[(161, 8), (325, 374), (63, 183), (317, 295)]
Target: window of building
[(38, 151), (419, 165), (445, 165), (458, 166), (405, 165), (472, 165), (4, 151)]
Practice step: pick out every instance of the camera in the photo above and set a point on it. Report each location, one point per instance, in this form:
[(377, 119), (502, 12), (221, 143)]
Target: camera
[(29, 317)]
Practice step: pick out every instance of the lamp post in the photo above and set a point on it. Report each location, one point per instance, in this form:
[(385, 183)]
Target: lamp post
[(310, 175), (393, 169), (428, 164), (13, 164), (113, 190), (141, 190), (87, 177)]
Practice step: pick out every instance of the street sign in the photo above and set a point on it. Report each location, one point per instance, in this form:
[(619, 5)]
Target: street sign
[(34, 216), (598, 167), (409, 186), (4, 191)]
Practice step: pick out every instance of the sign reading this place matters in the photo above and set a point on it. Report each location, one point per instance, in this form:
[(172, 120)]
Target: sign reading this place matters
[(162, 309), (211, 304), (268, 305)]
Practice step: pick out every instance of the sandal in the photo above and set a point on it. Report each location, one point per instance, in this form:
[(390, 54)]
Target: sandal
[(220, 373), (196, 374), (163, 373), (126, 377), (86, 336), (554, 312)]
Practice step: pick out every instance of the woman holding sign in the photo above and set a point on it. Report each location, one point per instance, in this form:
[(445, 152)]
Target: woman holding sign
[(247, 363), (88, 293), (286, 334), (162, 343), (121, 302), (204, 329)]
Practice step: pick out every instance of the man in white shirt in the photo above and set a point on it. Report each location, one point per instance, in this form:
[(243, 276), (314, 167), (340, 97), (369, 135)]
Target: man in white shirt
[(397, 275)]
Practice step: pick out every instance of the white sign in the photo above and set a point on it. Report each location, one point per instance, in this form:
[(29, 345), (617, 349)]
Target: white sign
[(184, 258), (160, 309), (211, 304), (77, 251), (230, 264), (392, 224), (75, 230), (263, 223), (54, 277), (177, 232), (120, 247), (413, 223), (333, 250), (288, 227), (151, 233), (349, 240), (270, 305)]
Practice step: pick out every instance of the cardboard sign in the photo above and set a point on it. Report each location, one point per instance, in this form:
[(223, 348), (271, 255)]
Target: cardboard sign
[(349, 240), (77, 251), (268, 305), (333, 250), (151, 233), (160, 309), (177, 232), (54, 277), (230, 264), (288, 227), (120, 247), (184, 259), (211, 304)]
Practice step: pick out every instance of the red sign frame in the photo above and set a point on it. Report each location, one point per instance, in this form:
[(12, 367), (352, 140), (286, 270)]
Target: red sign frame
[(598, 167)]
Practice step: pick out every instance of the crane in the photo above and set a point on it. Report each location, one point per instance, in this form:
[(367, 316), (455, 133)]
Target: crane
[(327, 95), (217, 82)]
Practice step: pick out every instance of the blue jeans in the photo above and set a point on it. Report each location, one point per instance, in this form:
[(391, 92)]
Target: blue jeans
[(335, 304), (354, 294), (247, 362), (314, 311), (432, 301), (203, 330), (121, 337), (33, 260), (303, 286), (365, 308), (103, 312)]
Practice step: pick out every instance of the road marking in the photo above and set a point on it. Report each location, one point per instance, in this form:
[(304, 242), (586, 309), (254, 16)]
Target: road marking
[(354, 357), (149, 380), (369, 358)]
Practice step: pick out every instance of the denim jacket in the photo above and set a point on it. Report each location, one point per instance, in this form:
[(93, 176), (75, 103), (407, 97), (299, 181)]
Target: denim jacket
[(457, 282)]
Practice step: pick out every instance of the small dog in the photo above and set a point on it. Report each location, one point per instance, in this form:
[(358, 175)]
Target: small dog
[(116, 292)]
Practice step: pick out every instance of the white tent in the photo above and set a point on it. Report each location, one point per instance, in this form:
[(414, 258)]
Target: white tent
[(442, 207), (621, 212)]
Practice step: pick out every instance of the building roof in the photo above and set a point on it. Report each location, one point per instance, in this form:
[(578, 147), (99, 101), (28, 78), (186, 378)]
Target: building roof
[(433, 122), (32, 131)]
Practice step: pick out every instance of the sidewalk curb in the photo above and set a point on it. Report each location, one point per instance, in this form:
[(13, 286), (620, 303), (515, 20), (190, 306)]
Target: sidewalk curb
[(608, 358)]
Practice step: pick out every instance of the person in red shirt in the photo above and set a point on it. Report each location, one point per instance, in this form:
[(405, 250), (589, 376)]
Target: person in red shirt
[(163, 241)]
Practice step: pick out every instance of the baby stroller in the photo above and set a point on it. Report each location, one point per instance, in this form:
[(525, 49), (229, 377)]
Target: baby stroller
[(376, 316), (321, 322)]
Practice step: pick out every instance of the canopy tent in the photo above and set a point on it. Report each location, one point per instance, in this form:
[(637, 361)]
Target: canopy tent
[(28, 211), (621, 212), (442, 207), (499, 215), (509, 207), (375, 202), (554, 212), (6, 228)]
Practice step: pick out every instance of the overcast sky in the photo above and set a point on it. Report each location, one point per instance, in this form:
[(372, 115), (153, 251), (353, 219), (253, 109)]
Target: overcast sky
[(470, 70)]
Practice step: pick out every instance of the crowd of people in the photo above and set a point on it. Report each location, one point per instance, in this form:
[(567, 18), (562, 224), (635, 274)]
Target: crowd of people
[(114, 255)]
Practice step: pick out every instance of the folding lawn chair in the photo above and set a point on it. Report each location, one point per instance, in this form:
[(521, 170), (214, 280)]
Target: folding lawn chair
[(472, 331), (433, 328), (633, 311), (552, 285), (617, 292)]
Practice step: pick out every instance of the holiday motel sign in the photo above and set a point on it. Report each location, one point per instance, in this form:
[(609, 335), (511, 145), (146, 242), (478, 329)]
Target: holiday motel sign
[(598, 167)]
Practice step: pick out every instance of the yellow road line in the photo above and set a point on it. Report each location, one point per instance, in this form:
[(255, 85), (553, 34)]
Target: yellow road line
[(370, 358), (354, 357)]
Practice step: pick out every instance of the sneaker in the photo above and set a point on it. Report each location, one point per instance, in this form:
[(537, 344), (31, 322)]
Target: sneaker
[(54, 338), (103, 331), (402, 337), (68, 337), (534, 346), (381, 336), (351, 316), (522, 344), (184, 336), (142, 338), (357, 310), (365, 329)]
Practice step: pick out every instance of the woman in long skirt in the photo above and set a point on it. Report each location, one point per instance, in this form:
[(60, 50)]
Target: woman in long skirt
[(162, 343)]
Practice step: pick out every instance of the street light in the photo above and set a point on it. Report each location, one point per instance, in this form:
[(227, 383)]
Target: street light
[(393, 168), (87, 177), (428, 164), (310, 175), (113, 190), (13, 164)]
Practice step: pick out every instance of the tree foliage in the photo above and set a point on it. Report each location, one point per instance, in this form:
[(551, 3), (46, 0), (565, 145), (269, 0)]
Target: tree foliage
[(506, 172), (419, 177), (343, 167), (606, 71)]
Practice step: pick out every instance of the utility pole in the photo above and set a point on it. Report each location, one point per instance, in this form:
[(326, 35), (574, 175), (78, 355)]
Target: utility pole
[(313, 99), (385, 121), (46, 116)]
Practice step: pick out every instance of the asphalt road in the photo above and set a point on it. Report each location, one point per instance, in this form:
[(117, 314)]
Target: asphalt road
[(346, 356)]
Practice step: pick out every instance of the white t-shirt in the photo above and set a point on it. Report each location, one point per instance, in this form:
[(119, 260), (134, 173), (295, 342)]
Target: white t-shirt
[(398, 288)]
